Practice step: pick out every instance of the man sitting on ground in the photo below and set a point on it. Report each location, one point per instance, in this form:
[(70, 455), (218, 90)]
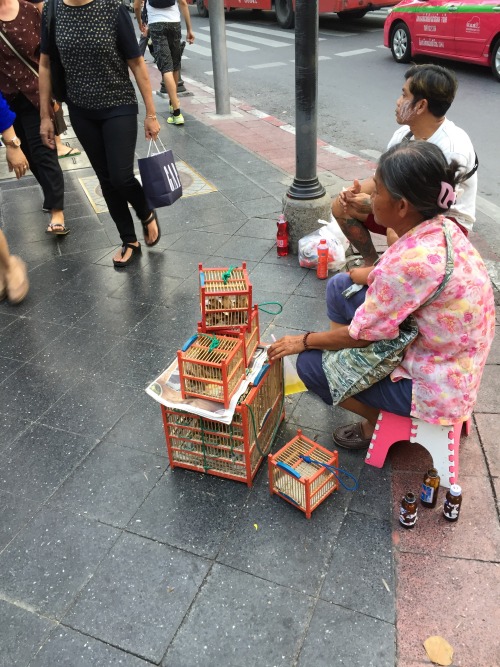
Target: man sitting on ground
[(427, 94)]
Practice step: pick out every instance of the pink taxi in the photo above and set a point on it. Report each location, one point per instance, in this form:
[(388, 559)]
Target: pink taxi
[(468, 31)]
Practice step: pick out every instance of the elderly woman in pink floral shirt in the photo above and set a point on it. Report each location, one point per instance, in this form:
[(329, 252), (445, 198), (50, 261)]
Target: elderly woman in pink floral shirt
[(439, 376)]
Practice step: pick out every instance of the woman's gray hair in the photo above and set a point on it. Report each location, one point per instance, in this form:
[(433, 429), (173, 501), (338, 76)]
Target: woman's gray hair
[(415, 171)]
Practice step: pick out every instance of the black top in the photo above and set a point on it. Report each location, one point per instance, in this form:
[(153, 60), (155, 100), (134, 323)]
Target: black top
[(95, 41)]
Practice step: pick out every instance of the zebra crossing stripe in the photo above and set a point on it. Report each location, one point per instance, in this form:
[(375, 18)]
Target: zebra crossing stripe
[(236, 46), (357, 52), (265, 65), (257, 40), (263, 31)]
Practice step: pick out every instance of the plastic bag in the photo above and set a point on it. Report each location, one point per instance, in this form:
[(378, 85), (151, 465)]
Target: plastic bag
[(337, 245)]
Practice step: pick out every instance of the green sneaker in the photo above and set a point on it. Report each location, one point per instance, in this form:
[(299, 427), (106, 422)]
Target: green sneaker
[(176, 120)]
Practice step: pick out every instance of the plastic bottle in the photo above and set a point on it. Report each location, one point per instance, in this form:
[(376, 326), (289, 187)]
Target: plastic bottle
[(452, 503), (322, 267), (408, 511), (430, 488), (282, 236)]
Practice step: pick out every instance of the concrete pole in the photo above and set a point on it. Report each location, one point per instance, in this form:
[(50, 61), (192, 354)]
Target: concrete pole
[(306, 200), (219, 56)]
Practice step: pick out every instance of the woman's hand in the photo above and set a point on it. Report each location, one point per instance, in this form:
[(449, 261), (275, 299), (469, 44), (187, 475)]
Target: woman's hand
[(151, 128), (285, 346), (17, 161), (47, 132), (359, 274)]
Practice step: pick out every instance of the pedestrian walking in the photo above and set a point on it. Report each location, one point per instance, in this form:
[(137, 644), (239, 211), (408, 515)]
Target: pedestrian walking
[(164, 18), (14, 282), (145, 38), (102, 104), (19, 61)]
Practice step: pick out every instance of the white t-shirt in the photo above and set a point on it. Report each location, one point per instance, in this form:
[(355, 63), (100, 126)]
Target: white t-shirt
[(455, 144), (166, 15)]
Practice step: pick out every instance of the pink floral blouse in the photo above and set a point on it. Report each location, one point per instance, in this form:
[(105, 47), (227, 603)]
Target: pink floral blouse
[(456, 330)]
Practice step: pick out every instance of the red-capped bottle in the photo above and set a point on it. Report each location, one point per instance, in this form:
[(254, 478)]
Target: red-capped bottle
[(322, 267), (282, 236)]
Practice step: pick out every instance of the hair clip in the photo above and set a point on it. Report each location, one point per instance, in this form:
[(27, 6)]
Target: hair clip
[(447, 196)]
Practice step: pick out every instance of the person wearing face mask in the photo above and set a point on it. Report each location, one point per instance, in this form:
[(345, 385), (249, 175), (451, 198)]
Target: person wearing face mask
[(427, 94)]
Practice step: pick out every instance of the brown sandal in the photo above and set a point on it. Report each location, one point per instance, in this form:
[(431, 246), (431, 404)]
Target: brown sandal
[(351, 437)]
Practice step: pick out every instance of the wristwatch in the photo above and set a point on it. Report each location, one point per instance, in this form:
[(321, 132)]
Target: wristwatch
[(15, 142)]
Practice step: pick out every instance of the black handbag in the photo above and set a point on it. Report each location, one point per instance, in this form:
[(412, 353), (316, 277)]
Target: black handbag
[(160, 178), (57, 73)]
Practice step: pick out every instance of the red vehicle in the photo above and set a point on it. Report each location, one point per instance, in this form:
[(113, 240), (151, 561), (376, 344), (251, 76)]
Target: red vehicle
[(285, 9), (456, 29)]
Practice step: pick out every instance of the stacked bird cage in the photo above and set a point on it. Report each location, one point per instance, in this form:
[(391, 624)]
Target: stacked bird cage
[(250, 335), (211, 366), (298, 473), (235, 450), (225, 298)]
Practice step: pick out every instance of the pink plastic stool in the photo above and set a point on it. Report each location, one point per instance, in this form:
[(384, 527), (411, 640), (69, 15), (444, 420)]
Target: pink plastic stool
[(442, 442)]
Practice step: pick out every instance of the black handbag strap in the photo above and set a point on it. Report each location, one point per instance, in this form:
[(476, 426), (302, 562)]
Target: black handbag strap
[(470, 173)]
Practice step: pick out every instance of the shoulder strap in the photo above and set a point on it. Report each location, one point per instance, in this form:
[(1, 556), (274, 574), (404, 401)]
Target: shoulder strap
[(16, 53), (450, 264), (474, 168)]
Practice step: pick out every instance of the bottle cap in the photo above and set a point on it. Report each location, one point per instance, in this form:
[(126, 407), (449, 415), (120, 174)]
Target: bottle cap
[(455, 490), (410, 497), (432, 472)]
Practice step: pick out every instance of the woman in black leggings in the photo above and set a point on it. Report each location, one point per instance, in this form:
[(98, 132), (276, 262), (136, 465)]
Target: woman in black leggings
[(102, 105)]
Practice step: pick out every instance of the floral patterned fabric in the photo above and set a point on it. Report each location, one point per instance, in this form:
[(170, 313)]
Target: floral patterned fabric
[(456, 330)]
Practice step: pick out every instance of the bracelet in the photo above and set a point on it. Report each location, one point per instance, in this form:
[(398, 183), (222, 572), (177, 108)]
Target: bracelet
[(304, 341), (152, 116)]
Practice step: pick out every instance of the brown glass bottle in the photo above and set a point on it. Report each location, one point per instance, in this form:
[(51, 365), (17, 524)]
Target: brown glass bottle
[(430, 488), (408, 511), (452, 503)]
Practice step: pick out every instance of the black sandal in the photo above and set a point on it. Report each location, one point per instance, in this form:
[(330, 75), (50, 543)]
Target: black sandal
[(145, 224), (136, 250)]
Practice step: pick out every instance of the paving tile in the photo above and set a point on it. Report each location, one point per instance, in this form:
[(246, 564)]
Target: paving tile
[(134, 363), (113, 316), (190, 511), (268, 551), (304, 313), (462, 612), (7, 368), (15, 512), (344, 637), (361, 562), (168, 328), (32, 390), (141, 427), (110, 484), (313, 287), (262, 206), (150, 286), (243, 248), (51, 559), (25, 338), (67, 648), (240, 193), (270, 276), (79, 350), (489, 432), (64, 307), (259, 227), (489, 391), (6, 319), (99, 280), (470, 537), (202, 242), (83, 410), (136, 608), (40, 459), (255, 623), (22, 634), (373, 496), (11, 425)]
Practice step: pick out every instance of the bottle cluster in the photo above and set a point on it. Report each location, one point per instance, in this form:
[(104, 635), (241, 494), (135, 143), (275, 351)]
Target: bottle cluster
[(408, 511)]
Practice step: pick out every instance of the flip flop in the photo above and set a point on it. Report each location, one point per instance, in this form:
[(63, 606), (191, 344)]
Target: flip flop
[(71, 152), (152, 218), (57, 229)]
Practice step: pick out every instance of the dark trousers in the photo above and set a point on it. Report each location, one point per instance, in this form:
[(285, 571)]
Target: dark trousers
[(43, 161), (110, 146)]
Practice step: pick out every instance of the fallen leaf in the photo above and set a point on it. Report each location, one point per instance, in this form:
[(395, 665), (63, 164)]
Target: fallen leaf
[(256, 526), (386, 585), (438, 650)]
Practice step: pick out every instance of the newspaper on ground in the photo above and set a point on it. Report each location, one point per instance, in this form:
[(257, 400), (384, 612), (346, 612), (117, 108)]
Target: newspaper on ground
[(166, 389)]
